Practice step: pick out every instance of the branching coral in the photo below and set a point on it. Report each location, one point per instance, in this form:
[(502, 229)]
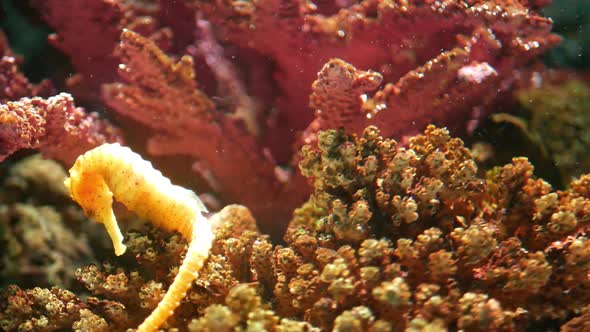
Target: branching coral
[(113, 171), (393, 238), (402, 66), (397, 235), (39, 309), (92, 51), (412, 43), (14, 84), (226, 154), (457, 243), (38, 245), (54, 125)]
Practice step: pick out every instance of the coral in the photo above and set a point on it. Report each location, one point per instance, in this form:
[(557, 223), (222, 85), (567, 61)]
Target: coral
[(284, 104), (161, 89), (123, 296), (100, 22), (39, 309), (36, 180), (91, 52), (14, 84), (39, 245), (112, 171), (393, 238), (420, 62), (39, 248), (243, 307), (555, 119), (446, 225), (412, 43), (55, 126)]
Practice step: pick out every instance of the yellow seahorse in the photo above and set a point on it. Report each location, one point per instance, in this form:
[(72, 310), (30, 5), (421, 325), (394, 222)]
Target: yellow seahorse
[(113, 170)]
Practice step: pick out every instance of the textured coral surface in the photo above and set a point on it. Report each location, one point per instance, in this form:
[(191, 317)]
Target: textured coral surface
[(237, 87), (555, 117), (326, 137), (393, 238)]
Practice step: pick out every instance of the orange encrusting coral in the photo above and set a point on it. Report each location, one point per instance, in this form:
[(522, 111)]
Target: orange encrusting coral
[(112, 170)]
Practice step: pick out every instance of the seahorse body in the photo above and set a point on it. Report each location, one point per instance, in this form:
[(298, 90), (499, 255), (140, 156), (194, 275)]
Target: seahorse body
[(111, 170)]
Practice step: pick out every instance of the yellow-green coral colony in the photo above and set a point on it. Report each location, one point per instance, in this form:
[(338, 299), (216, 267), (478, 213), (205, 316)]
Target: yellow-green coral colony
[(393, 238)]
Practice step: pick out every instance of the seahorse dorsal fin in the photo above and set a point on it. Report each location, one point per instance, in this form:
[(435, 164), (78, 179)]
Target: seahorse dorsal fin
[(198, 201)]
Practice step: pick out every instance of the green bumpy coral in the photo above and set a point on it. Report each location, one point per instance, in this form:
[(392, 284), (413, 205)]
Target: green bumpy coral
[(40, 244), (394, 238), (371, 185), (556, 118), (420, 235)]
